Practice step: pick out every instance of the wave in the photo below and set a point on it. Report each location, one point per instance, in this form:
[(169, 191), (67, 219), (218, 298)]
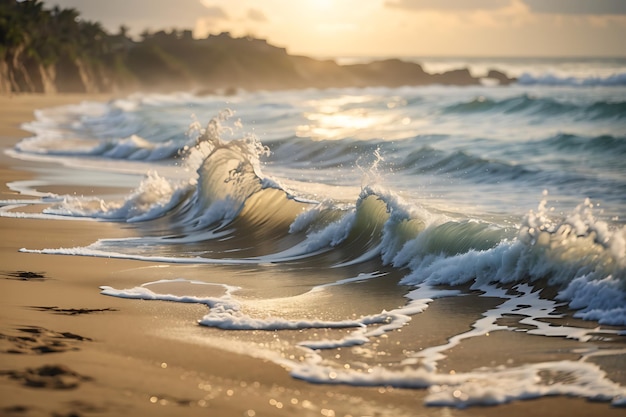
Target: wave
[(474, 170), (605, 145), (555, 80), (498, 269), (298, 152), (530, 106), (113, 130), (215, 205), (579, 255), (462, 164), (227, 211), (133, 148), (415, 157)]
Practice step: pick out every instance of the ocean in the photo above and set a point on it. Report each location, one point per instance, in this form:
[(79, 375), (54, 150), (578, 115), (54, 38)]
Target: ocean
[(318, 226)]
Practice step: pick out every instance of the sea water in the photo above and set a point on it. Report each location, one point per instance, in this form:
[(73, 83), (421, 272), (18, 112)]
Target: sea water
[(510, 193)]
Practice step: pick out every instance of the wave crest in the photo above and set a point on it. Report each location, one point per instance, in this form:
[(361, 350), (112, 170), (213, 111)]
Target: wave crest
[(230, 212), (541, 106), (618, 79)]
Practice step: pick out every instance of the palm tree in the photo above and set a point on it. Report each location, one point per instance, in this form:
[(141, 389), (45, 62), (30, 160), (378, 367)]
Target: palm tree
[(123, 31), (93, 39)]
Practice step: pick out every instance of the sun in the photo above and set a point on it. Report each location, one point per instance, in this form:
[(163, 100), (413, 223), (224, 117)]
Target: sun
[(322, 5)]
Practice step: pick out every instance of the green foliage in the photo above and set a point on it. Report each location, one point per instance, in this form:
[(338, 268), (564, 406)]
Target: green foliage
[(32, 35), (41, 46), (47, 35)]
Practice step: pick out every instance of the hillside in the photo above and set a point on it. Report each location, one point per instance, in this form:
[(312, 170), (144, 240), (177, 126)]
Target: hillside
[(47, 51)]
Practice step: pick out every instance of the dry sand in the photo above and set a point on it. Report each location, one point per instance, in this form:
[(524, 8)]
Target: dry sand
[(66, 350)]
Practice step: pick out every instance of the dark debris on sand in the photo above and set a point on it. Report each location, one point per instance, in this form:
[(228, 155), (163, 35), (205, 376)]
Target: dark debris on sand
[(71, 311), (47, 376), (38, 341), (25, 275)]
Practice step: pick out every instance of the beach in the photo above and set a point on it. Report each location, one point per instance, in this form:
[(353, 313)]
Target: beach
[(66, 349), (106, 354)]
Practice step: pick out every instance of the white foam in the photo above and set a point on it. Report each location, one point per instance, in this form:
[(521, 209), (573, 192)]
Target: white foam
[(94, 251), (590, 81), (384, 322), (39, 216), (601, 300), (229, 314), (154, 197), (483, 386), (28, 187), (579, 254), (229, 319), (144, 293), (525, 304), (8, 208)]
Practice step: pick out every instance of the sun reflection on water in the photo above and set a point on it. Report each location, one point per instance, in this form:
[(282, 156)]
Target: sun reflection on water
[(357, 117)]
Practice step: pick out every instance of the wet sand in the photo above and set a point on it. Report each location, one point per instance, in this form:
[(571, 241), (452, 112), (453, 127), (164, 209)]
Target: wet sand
[(65, 349)]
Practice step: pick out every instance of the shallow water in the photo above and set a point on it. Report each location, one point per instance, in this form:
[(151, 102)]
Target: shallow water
[(320, 226)]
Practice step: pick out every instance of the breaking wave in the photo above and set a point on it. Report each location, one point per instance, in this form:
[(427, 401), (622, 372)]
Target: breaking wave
[(618, 79), (530, 105), (227, 211)]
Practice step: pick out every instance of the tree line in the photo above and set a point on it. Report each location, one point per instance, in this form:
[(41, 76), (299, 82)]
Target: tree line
[(55, 50), (47, 35)]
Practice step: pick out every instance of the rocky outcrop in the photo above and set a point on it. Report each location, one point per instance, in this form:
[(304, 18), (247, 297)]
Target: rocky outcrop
[(166, 63), (455, 77), (500, 77), (15, 71), (66, 76), (55, 50)]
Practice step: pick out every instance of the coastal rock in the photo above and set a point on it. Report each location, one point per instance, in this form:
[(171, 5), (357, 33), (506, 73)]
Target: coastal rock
[(167, 62), (389, 73), (38, 58), (456, 77), (501, 77)]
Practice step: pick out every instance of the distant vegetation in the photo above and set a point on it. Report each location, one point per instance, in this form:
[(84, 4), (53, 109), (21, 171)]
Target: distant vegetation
[(55, 50), (50, 50)]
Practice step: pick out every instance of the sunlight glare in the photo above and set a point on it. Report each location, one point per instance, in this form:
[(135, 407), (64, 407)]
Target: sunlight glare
[(322, 5)]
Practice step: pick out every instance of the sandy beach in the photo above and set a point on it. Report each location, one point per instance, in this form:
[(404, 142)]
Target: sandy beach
[(67, 350)]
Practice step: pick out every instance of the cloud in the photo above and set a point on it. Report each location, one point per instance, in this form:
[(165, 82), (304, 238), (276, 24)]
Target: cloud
[(214, 13), (563, 7), (256, 15), (577, 7), (140, 14), (335, 27), (448, 5), (132, 9)]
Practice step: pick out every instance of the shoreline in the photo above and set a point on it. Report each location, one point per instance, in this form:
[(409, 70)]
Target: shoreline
[(66, 349), (105, 355)]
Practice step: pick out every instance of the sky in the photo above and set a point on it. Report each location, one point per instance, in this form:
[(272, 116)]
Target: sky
[(377, 28)]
